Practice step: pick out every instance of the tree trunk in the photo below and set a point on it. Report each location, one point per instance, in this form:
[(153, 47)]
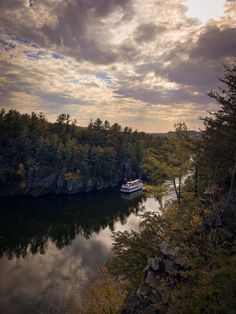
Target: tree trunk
[(176, 191), (180, 178), (196, 182)]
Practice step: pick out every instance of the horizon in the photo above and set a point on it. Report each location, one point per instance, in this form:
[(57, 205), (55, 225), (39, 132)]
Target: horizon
[(72, 120), (143, 65)]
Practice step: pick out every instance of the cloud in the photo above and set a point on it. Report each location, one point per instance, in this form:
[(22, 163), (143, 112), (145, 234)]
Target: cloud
[(215, 43), (12, 5), (192, 73), (73, 26), (148, 32), (124, 60), (199, 63), (162, 97)]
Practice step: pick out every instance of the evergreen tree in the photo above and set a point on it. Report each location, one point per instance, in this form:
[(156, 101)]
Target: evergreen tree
[(217, 161)]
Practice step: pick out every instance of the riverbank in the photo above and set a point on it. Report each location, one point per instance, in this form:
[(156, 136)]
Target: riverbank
[(189, 264)]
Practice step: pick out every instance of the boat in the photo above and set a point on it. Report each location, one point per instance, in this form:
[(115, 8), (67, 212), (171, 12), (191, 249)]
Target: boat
[(132, 186)]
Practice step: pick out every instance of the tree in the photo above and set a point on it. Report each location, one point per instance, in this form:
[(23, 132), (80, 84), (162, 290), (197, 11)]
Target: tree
[(217, 161), (107, 125), (63, 118), (172, 161), (131, 249)]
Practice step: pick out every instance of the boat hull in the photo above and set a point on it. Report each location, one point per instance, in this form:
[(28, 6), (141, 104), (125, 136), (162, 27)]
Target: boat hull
[(131, 190)]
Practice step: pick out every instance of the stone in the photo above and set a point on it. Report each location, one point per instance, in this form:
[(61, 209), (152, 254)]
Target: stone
[(152, 280), (75, 185), (134, 303), (171, 267), (167, 249), (169, 252), (154, 263)]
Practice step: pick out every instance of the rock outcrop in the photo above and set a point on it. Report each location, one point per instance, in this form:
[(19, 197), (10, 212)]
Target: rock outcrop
[(160, 277), (40, 180)]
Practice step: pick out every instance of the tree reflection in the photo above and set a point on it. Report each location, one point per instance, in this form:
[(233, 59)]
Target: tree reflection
[(27, 225)]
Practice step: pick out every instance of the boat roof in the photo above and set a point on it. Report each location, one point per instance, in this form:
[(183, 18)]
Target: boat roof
[(135, 181)]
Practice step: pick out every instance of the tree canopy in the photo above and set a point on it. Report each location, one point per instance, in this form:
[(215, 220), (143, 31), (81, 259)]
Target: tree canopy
[(28, 142)]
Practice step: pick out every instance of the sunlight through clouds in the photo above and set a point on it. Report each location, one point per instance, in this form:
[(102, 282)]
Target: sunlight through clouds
[(133, 62), (205, 10)]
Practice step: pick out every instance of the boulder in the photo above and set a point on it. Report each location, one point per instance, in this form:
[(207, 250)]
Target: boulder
[(160, 277)]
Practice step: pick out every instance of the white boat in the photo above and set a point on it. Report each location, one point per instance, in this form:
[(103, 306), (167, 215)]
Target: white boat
[(132, 186)]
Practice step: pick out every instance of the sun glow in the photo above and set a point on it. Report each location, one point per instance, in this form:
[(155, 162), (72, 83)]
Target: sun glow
[(205, 10)]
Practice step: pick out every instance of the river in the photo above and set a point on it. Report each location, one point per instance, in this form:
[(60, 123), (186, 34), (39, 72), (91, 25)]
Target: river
[(51, 246)]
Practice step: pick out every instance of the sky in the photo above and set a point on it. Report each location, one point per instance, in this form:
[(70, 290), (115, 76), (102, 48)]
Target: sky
[(147, 64)]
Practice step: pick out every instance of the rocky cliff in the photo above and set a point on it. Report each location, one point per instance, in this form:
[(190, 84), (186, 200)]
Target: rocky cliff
[(161, 276), (40, 180)]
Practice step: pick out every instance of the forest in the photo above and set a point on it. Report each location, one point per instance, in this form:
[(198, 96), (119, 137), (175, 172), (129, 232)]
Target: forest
[(38, 157)]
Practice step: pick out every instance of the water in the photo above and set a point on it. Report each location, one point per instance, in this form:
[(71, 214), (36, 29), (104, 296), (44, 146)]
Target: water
[(51, 246)]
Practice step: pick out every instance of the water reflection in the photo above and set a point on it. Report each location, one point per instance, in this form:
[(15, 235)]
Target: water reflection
[(27, 224), (73, 233), (131, 196)]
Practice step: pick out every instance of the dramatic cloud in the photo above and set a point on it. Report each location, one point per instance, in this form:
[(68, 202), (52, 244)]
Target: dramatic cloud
[(130, 61), (148, 32), (205, 57), (215, 43)]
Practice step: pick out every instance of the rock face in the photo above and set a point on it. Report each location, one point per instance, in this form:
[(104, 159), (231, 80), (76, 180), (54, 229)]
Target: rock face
[(40, 181), (160, 276)]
